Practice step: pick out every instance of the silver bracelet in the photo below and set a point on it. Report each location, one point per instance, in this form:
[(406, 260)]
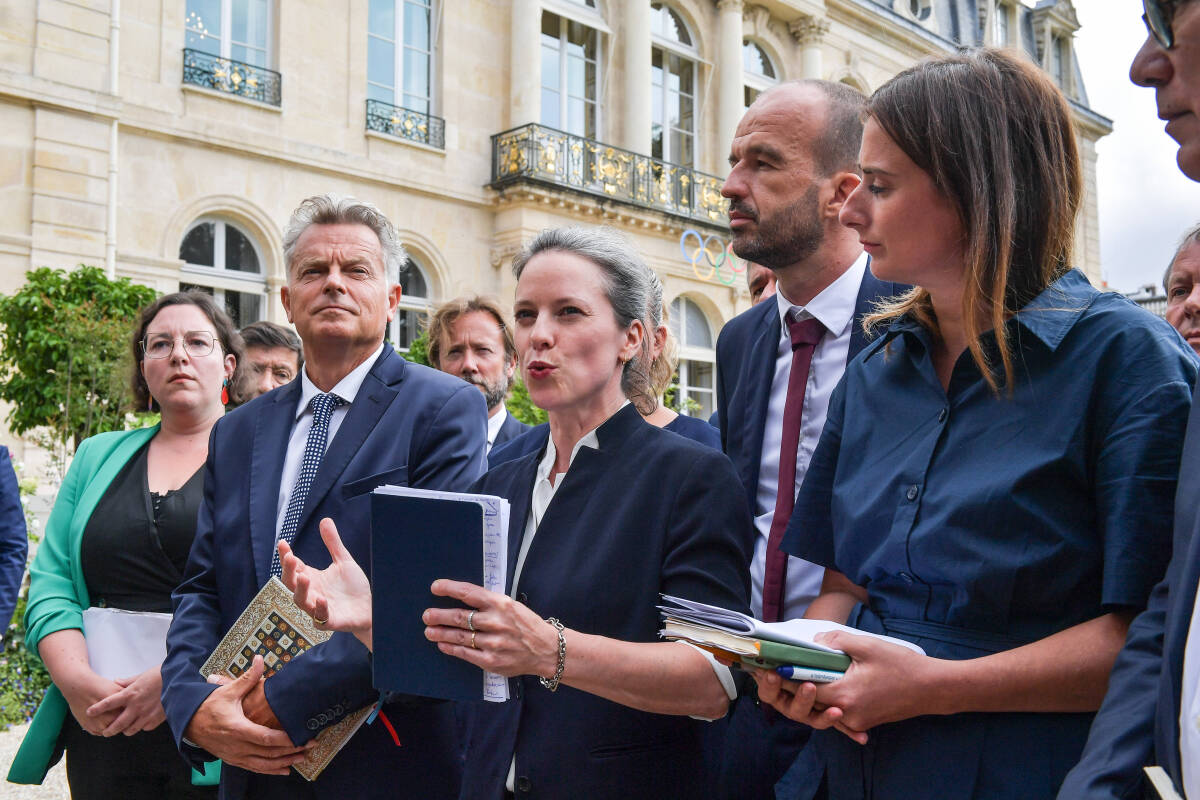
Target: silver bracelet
[(552, 683)]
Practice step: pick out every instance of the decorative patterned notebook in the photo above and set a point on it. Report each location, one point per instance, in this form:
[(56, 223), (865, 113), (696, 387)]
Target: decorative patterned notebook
[(274, 627)]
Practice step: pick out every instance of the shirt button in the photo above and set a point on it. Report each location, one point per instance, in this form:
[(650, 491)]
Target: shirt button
[(912, 492), (942, 415), (523, 784), (523, 598)]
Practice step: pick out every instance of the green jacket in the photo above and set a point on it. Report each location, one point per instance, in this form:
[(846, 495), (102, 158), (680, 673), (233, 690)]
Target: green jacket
[(57, 591)]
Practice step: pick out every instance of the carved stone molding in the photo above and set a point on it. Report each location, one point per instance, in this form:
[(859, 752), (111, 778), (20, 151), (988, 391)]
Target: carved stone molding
[(808, 30), (729, 5)]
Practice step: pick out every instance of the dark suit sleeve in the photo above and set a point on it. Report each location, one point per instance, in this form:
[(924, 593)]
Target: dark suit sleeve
[(724, 368), (196, 627), (334, 678), (710, 537), (14, 543), (449, 453)]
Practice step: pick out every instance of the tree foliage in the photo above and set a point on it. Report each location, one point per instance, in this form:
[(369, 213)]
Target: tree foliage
[(64, 351), (518, 403)]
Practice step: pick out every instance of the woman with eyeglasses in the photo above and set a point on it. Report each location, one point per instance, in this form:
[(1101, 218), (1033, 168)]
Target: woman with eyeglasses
[(996, 477), (118, 537)]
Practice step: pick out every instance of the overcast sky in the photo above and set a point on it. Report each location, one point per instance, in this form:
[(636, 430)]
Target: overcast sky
[(1145, 202)]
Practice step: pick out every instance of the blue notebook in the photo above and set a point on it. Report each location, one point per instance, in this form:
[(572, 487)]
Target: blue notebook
[(418, 536)]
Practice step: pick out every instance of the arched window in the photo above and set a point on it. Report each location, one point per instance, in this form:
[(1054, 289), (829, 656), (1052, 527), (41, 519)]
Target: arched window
[(415, 303), (222, 260), (400, 53), (694, 394), (673, 92), (570, 75), (758, 71)]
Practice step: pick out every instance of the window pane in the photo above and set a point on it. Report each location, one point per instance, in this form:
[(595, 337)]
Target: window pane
[(197, 247), (575, 76), (704, 401), (414, 103), (698, 332), (700, 374), (581, 40), (681, 149), (656, 141), (575, 117), (385, 93), (589, 121), (239, 253), (243, 307), (685, 71), (249, 23), (550, 67), (412, 282), (669, 25), (408, 328), (416, 25), (551, 113), (755, 61), (203, 23), (381, 18), (416, 73), (551, 29), (749, 95), (674, 317), (248, 55), (381, 62)]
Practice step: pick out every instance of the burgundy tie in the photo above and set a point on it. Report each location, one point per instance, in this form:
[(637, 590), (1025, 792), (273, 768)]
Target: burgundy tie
[(804, 334)]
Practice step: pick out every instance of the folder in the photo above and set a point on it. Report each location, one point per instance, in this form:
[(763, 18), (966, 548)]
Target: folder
[(418, 536)]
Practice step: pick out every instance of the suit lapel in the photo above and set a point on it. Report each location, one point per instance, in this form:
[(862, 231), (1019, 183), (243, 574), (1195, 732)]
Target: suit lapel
[(272, 429), (760, 373), (522, 473), (374, 397)]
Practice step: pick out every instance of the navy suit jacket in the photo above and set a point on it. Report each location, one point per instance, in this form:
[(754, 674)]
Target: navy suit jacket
[(746, 365), (511, 429), (408, 425), (647, 512), (1138, 723), (750, 755), (14, 542)]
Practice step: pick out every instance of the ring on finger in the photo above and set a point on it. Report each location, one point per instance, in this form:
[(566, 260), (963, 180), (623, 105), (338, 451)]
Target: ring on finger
[(471, 622), (320, 621), (473, 647)]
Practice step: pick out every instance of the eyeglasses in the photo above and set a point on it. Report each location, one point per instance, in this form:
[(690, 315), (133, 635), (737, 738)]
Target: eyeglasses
[(1158, 17), (196, 344)]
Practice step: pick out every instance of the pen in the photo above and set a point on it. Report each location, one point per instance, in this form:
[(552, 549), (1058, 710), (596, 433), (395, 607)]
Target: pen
[(808, 674)]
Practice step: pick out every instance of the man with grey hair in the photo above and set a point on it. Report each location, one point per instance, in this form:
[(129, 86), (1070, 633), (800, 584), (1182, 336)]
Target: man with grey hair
[(1181, 282), (359, 416)]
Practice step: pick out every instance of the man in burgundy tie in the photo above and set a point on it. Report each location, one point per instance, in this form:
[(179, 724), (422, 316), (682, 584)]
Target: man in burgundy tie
[(793, 162)]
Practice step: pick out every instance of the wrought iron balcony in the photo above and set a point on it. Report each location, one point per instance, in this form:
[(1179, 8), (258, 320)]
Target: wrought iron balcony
[(537, 154), (405, 123), (231, 77)]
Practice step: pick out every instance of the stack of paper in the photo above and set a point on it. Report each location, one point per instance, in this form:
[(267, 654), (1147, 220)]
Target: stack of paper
[(742, 639)]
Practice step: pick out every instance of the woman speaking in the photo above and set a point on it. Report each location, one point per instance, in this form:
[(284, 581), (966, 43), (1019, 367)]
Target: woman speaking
[(609, 511)]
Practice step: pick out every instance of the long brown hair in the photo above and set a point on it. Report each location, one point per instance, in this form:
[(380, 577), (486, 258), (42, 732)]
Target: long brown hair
[(995, 135)]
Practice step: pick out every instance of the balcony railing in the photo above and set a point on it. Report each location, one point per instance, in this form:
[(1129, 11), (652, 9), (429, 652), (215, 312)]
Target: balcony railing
[(405, 123), (544, 155), (231, 77)]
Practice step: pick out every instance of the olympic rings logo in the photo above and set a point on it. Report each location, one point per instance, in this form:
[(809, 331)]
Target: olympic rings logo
[(714, 252)]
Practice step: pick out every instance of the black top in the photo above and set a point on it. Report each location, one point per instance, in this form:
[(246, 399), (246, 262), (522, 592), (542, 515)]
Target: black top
[(136, 543)]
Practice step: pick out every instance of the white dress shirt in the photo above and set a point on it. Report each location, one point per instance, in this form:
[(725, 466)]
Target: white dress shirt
[(347, 389), (1189, 709), (833, 308), (494, 424), (543, 493)]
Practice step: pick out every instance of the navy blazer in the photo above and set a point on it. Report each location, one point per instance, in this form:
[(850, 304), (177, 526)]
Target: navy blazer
[(746, 352), (408, 425), (14, 541), (511, 429), (647, 512), (1138, 723)]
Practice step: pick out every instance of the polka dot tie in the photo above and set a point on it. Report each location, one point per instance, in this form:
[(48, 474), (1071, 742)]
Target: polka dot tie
[(314, 450)]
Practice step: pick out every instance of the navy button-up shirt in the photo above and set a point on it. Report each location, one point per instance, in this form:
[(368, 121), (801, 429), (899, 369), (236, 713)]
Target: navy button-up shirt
[(1014, 516)]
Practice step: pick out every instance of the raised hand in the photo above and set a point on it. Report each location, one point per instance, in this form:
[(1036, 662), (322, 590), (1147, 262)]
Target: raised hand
[(338, 598)]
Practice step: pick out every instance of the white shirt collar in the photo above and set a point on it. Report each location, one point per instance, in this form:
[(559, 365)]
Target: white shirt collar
[(347, 388), (833, 307), (589, 439), (495, 422)]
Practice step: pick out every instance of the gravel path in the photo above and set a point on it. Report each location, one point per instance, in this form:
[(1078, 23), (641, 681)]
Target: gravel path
[(55, 785)]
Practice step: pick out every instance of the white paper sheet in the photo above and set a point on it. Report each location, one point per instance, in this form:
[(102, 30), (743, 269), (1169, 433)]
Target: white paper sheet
[(122, 643)]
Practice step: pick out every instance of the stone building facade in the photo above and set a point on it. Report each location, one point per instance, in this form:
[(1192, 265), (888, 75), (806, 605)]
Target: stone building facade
[(170, 139)]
